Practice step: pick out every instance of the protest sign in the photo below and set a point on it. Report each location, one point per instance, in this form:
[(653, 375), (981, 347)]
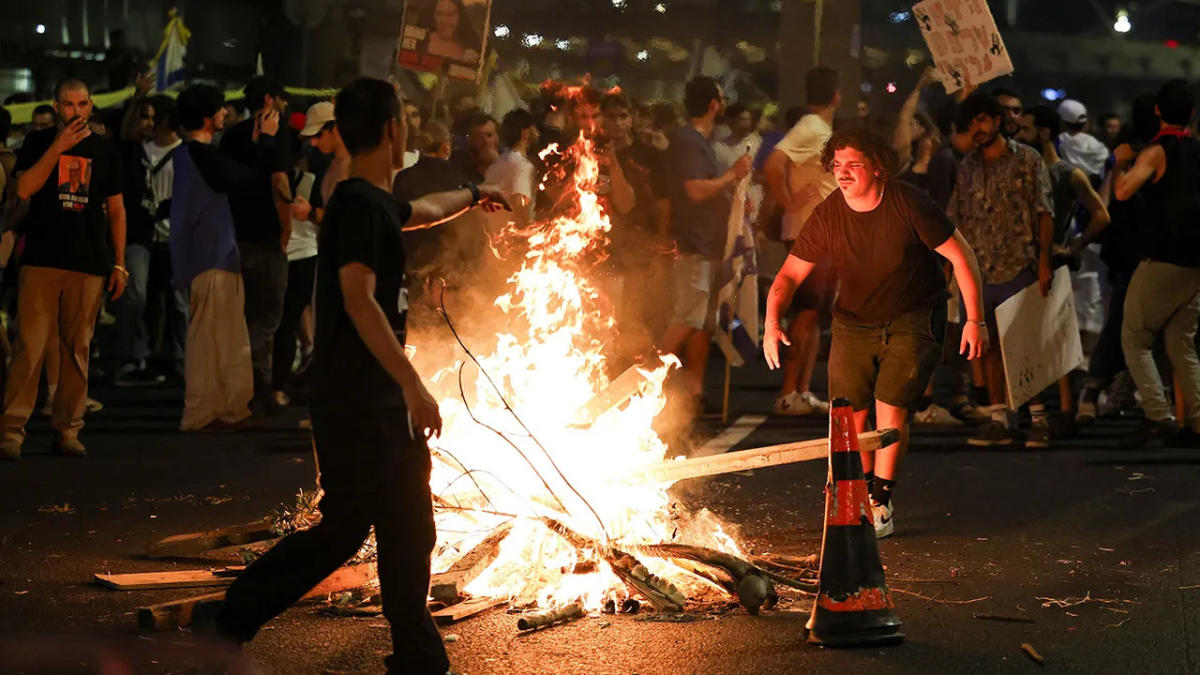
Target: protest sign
[(964, 41), (1039, 338), (445, 36)]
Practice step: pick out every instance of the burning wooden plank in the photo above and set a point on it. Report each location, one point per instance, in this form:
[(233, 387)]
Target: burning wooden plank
[(465, 610), (173, 579), (624, 387), (447, 586), (178, 613), (755, 458), (199, 542), (562, 614)]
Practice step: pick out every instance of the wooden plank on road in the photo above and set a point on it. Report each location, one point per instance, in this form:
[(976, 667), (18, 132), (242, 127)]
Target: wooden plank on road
[(755, 458)]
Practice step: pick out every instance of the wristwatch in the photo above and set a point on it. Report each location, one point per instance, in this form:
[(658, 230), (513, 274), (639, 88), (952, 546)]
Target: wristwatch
[(474, 192)]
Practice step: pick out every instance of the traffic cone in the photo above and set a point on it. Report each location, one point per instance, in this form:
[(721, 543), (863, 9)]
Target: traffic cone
[(853, 605)]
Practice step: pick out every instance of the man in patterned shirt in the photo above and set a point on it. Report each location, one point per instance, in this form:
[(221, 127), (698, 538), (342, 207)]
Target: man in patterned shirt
[(1002, 204)]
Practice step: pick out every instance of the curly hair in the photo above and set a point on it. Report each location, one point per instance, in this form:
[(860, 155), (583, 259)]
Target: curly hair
[(870, 143)]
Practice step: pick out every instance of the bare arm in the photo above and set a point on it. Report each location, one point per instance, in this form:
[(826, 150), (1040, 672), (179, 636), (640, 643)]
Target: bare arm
[(902, 136), (702, 190), (32, 179), (1095, 205), (775, 172), (435, 209), (623, 198), (970, 282), (793, 273), (116, 230), (1149, 163), (358, 294)]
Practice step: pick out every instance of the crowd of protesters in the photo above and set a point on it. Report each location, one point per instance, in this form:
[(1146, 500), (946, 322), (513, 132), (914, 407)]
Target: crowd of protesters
[(190, 226)]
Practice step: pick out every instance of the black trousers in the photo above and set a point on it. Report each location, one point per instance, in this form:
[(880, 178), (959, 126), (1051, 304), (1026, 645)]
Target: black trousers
[(373, 473), (300, 277), (264, 273)]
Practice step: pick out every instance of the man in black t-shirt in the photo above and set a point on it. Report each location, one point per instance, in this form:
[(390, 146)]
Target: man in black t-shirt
[(881, 235), (263, 221), (74, 240), (371, 414)]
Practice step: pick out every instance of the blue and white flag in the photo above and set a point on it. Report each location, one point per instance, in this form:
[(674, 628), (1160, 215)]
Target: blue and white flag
[(168, 63)]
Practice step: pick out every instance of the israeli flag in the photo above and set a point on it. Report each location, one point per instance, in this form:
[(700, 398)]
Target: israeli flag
[(168, 64)]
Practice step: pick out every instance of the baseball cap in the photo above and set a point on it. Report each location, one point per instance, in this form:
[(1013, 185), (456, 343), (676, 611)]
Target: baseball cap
[(318, 114), (1072, 112)]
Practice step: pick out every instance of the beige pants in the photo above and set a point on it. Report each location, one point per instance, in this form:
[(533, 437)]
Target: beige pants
[(51, 303), (217, 371)]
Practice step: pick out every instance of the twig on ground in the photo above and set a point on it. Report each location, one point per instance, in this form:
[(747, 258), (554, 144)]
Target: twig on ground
[(1000, 617), (939, 600), (1120, 623), (1072, 602), (1189, 588), (1033, 653)]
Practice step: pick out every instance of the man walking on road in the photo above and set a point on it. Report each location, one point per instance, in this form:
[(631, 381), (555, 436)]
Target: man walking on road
[(371, 413), (890, 317)]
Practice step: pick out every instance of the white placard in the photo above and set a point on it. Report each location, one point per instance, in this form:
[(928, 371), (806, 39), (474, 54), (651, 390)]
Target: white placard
[(1039, 338), (964, 41)]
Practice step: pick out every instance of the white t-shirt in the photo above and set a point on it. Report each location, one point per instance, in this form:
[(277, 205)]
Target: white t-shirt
[(728, 153), (1085, 151), (303, 242), (803, 145), (160, 183), (514, 174)]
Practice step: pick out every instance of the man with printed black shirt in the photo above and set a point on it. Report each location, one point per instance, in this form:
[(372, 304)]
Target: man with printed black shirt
[(263, 220), (889, 316), (74, 241), (371, 414)]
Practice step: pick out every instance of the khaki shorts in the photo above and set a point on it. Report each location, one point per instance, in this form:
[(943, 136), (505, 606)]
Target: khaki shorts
[(692, 277)]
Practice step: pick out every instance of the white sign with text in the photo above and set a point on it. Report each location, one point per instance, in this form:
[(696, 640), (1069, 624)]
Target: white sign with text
[(964, 41), (1039, 338)]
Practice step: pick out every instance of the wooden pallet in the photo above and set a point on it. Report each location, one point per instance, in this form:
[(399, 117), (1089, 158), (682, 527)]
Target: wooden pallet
[(174, 579)]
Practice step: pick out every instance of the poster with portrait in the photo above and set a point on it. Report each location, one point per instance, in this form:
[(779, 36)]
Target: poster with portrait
[(964, 41), (445, 36), (74, 177)]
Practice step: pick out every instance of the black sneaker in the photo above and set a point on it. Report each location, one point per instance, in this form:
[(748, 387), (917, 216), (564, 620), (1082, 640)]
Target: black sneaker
[(992, 433), (1151, 430), (1038, 436)]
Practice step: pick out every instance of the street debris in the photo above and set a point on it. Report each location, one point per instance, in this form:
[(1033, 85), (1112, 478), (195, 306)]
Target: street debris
[(1033, 653), (57, 508)]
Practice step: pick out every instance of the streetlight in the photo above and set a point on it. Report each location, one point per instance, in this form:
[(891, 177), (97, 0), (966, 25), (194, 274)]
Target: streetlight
[(1123, 24)]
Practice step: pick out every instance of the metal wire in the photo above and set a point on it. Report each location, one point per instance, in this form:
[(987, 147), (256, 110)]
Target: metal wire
[(509, 408)]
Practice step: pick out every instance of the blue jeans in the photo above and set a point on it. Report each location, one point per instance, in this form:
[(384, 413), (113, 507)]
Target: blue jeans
[(130, 308)]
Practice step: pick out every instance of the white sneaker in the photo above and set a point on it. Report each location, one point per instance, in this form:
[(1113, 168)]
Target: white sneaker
[(1086, 414), (93, 405), (817, 404), (937, 415), (793, 404), (885, 525)]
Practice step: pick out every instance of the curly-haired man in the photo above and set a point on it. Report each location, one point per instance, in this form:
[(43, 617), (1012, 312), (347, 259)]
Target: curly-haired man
[(890, 313)]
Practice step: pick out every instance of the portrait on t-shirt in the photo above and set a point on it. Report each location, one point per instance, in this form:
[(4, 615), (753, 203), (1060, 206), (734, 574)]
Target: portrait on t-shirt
[(445, 35), (74, 177)]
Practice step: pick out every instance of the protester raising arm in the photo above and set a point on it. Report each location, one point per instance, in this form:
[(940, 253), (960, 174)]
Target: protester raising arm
[(704, 189), (902, 137)]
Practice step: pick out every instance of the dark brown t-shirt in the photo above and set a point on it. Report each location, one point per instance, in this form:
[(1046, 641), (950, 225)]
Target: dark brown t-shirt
[(884, 257)]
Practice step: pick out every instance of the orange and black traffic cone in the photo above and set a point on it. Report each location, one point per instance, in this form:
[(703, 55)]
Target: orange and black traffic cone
[(853, 606)]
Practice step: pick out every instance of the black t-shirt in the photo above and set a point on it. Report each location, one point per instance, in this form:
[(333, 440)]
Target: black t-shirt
[(139, 200), (883, 257), (67, 225), (254, 215), (362, 224)]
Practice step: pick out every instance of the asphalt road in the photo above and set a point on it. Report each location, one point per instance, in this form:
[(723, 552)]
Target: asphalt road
[(1003, 532)]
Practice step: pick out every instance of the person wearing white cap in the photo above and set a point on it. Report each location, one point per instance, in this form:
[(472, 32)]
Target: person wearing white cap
[(1076, 145)]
